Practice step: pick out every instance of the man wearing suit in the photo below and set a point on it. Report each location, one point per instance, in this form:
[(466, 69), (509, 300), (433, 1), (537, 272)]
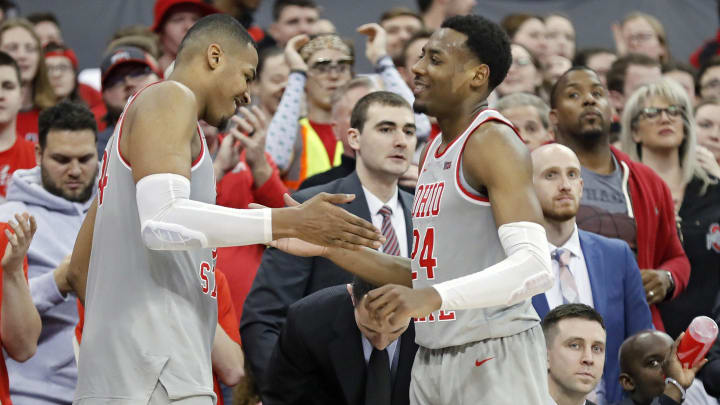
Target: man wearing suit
[(589, 269), (382, 133), (575, 338), (331, 351)]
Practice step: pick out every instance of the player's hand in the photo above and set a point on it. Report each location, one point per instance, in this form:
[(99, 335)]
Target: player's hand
[(620, 45), (23, 230), (707, 161), (321, 222), (376, 45), (292, 52), (397, 303), (60, 274), (656, 285), (675, 370), (410, 177)]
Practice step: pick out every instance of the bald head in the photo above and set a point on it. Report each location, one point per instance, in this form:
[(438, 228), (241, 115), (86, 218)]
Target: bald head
[(635, 348), (557, 181)]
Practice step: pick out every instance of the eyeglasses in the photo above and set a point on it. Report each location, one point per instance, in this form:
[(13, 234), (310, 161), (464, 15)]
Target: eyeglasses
[(59, 69), (641, 37), (650, 113), (325, 66)]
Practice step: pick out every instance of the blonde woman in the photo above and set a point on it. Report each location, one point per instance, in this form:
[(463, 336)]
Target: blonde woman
[(659, 131), (19, 40)]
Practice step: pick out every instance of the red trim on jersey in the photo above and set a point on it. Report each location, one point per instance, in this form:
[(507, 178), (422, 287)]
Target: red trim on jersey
[(122, 123), (458, 165), (427, 152), (439, 154)]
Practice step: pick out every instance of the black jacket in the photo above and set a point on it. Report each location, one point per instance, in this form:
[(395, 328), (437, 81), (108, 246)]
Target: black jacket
[(319, 356)]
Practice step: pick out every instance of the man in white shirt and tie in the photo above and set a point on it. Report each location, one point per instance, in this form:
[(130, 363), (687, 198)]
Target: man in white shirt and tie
[(589, 269)]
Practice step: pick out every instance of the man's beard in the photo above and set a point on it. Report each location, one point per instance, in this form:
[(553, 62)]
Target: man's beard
[(54, 189), (559, 216)]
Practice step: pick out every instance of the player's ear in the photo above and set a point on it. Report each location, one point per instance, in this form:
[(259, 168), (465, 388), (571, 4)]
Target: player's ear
[(481, 76), (214, 55), (626, 382)]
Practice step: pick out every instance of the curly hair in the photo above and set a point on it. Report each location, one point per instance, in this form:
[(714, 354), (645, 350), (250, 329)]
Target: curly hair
[(487, 41)]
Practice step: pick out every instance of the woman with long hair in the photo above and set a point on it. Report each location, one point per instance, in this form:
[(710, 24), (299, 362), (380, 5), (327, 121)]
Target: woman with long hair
[(20, 41), (658, 129)]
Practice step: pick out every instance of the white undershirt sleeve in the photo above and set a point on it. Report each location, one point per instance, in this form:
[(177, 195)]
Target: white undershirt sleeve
[(170, 220), (525, 272)]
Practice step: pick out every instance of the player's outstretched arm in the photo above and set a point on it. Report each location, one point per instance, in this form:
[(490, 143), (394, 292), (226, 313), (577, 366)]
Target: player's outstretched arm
[(525, 272), (158, 141), (77, 271)]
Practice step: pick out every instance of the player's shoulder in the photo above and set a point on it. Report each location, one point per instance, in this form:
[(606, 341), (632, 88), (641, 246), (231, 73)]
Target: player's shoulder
[(494, 138), (160, 96)]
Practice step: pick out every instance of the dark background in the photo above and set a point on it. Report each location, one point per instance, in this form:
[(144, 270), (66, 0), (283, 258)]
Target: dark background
[(88, 24)]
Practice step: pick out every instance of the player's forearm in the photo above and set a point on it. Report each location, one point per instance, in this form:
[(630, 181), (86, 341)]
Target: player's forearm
[(376, 267), (80, 260), (525, 272), (228, 361), (20, 324)]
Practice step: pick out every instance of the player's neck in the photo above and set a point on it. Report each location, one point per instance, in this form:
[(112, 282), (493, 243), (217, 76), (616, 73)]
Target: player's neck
[(454, 124), (189, 79), (8, 134), (559, 232), (594, 154), (382, 186)]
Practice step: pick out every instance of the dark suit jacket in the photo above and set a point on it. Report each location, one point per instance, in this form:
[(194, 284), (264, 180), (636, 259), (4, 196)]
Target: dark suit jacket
[(346, 167), (283, 279), (618, 295), (319, 356), (661, 400)]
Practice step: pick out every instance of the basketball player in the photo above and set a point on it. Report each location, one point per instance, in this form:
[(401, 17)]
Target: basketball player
[(479, 253), (151, 291)]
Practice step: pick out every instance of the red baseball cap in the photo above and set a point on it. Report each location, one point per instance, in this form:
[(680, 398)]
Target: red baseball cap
[(127, 54), (163, 6)]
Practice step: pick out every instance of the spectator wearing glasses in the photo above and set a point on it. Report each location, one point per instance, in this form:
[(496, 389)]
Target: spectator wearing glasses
[(124, 71), (659, 131), (641, 33), (62, 67), (524, 74)]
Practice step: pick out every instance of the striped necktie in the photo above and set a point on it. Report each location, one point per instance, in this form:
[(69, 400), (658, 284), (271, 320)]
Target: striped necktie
[(568, 288), (391, 246)]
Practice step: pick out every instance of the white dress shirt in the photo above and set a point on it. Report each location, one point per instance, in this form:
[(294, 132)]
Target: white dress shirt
[(397, 218), (578, 268)]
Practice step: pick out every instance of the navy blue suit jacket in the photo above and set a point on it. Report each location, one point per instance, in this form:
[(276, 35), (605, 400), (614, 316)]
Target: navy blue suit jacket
[(618, 295)]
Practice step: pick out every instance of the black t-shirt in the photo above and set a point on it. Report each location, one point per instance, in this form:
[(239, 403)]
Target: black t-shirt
[(700, 232)]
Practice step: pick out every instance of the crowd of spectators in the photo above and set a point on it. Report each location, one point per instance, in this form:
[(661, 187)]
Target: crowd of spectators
[(629, 136)]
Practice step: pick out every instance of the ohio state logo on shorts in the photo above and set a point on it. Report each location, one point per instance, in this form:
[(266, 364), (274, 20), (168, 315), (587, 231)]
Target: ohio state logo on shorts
[(713, 237)]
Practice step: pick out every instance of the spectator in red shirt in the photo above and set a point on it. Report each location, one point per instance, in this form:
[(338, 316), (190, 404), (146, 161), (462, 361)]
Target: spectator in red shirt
[(171, 21), (62, 68), (19, 320), (15, 151), (19, 40)]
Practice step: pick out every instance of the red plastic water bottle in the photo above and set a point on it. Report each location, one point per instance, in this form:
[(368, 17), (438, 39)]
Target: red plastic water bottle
[(700, 335)]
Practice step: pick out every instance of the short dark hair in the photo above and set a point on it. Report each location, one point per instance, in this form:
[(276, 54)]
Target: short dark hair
[(266, 54), (385, 98), (424, 5), (280, 5), (65, 115), (399, 12), (216, 26), (618, 70), (487, 41), (361, 287), (561, 82), (583, 55), (46, 16), (7, 60), (568, 311), (710, 63)]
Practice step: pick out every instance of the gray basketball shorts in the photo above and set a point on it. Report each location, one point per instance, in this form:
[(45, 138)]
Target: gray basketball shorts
[(510, 370)]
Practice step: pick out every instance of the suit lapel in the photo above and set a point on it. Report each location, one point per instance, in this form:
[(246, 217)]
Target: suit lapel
[(346, 354), (406, 200), (351, 185), (541, 305), (594, 264)]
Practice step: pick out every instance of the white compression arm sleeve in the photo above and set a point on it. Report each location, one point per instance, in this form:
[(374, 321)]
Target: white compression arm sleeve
[(525, 272), (170, 220)]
